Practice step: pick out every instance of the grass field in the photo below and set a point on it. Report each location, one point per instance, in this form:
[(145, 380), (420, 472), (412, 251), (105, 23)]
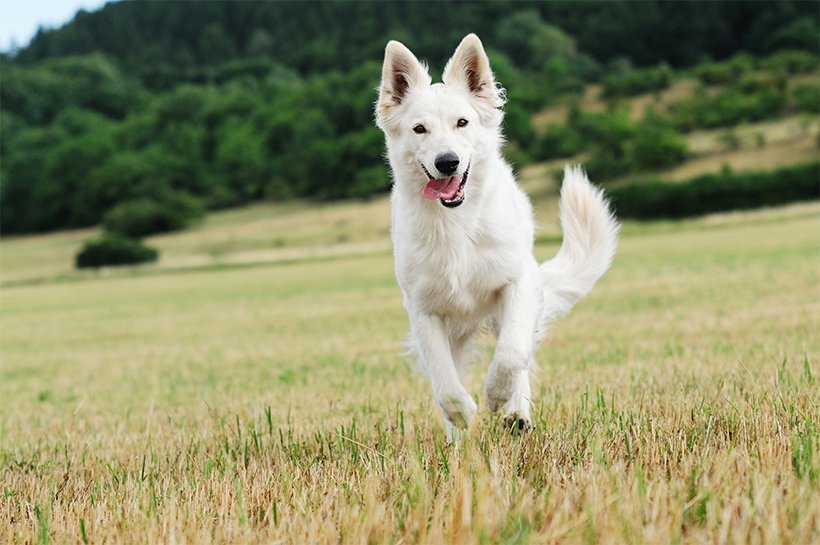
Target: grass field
[(238, 400)]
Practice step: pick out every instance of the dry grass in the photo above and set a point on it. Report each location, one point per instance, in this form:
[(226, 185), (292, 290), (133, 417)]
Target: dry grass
[(255, 234), (787, 130), (678, 404), (797, 150)]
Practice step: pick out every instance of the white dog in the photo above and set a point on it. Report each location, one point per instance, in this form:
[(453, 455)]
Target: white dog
[(462, 232)]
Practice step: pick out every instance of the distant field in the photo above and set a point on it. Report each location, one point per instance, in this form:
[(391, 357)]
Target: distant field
[(267, 401)]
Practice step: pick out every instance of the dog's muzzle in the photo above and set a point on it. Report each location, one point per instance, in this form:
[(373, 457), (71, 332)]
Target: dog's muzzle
[(449, 190)]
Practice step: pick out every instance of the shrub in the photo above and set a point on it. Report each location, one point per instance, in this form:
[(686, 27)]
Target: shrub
[(635, 82), (518, 125), (751, 99), (608, 135), (716, 192), (616, 144), (806, 98), (369, 182), (114, 250), (790, 61), (605, 163), (726, 72), (142, 217), (656, 144), (557, 141)]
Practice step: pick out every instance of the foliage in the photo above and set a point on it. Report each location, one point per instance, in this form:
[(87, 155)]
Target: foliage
[(558, 140), (732, 70), (656, 144), (798, 33), (791, 61), (529, 41), (634, 82), (726, 72), (751, 99), (233, 102), (607, 135), (142, 217), (716, 193), (227, 144), (39, 93), (806, 98), (617, 145), (183, 40), (114, 250), (518, 124)]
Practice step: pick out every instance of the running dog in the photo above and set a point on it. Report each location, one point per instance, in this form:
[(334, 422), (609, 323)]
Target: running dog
[(462, 232)]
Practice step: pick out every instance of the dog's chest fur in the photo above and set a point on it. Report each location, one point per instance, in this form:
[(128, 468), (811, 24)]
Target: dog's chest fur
[(455, 265)]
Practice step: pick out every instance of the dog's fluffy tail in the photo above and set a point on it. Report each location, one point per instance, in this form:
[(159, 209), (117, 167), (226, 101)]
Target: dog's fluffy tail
[(590, 238)]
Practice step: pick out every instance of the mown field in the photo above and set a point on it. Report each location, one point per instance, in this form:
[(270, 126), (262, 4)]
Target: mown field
[(246, 400)]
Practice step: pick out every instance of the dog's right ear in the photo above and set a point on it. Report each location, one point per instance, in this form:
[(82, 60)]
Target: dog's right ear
[(401, 72)]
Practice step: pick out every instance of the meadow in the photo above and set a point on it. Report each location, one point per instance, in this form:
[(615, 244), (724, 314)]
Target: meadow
[(250, 388)]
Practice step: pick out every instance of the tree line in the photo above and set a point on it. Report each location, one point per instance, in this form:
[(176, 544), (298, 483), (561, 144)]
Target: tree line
[(178, 107)]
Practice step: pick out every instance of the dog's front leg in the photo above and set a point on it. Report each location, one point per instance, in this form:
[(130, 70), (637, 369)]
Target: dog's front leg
[(507, 384), (436, 360)]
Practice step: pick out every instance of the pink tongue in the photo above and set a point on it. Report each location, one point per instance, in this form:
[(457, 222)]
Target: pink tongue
[(445, 188)]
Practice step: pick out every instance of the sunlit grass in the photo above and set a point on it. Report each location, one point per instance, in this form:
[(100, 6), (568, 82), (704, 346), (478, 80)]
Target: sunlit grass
[(270, 403)]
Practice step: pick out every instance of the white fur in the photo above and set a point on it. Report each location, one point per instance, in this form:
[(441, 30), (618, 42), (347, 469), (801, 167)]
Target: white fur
[(464, 268)]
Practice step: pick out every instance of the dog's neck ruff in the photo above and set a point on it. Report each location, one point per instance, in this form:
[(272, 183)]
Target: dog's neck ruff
[(449, 190)]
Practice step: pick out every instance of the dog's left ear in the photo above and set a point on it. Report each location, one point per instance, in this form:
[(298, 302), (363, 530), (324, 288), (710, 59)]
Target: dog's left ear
[(470, 67)]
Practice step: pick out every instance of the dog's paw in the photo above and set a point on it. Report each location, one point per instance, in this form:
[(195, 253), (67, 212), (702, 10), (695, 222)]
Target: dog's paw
[(458, 408), (499, 386), (516, 407), (517, 423)]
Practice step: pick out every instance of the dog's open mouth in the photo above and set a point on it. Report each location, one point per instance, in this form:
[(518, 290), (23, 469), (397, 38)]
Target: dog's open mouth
[(450, 190)]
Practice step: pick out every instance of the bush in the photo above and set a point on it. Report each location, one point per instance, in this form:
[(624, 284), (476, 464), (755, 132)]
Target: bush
[(716, 193), (518, 125), (656, 144), (806, 98), (635, 82), (727, 72), (142, 217), (557, 141), (608, 136), (791, 62), (616, 144), (605, 163), (751, 99), (114, 250)]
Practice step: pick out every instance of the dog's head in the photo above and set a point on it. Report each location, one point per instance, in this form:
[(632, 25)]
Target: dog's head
[(435, 133)]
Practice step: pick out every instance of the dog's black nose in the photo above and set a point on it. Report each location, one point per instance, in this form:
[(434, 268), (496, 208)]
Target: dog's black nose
[(447, 163)]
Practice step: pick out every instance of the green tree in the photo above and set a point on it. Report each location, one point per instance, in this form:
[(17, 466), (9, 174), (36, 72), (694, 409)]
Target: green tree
[(240, 158), (656, 144)]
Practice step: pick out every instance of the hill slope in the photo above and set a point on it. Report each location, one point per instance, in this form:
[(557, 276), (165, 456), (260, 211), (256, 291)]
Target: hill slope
[(145, 105)]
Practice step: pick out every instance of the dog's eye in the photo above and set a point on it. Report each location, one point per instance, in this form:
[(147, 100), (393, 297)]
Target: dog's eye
[(462, 123), (419, 129)]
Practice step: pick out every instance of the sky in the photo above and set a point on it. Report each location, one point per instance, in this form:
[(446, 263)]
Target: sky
[(19, 19)]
